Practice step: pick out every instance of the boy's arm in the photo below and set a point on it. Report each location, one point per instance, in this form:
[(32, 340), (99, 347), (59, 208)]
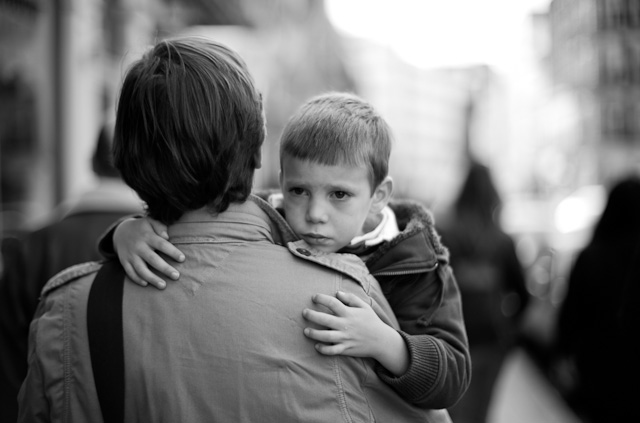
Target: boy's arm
[(440, 366), (105, 242), (136, 242)]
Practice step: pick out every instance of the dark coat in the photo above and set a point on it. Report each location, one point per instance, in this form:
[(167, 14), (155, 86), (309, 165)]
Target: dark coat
[(70, 237), (597, 329)]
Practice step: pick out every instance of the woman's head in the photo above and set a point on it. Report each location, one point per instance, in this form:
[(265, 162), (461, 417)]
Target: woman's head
[(189, 128), (478, 196), (619, 221)]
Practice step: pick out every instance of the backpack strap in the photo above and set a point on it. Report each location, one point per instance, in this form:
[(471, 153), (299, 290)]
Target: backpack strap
[(106, 343)]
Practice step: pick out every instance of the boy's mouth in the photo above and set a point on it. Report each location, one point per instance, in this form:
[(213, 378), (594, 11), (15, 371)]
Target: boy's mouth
[(313, 238)]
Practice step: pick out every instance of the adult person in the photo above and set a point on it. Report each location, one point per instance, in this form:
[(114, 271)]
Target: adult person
[(68, 236), (225, 342), (492, 286), (599, 303)]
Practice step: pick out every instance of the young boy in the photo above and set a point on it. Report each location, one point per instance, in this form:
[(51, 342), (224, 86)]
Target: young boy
[(334, 156)]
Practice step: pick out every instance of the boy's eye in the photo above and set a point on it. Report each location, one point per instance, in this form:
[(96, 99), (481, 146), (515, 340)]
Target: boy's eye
[(296, 191), (340, 195)]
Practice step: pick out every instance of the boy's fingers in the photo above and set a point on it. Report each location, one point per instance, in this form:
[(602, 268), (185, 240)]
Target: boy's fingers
[(326, 349), (153, 260), (159, 228), (332, 303), (326, 336), (147, 275), (321, 318), (350, 299), (169, 249), (128, 269)]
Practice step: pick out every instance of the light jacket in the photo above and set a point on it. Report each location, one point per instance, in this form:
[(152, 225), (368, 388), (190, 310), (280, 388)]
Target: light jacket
[(222, 344)]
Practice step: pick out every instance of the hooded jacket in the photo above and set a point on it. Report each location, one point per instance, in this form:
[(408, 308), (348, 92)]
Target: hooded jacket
[(414, 274)]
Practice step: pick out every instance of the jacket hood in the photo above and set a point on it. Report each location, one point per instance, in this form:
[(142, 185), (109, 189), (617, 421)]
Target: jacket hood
[(416, 249)]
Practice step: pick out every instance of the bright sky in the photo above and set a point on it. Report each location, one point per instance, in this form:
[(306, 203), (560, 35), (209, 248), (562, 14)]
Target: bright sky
[(435, 33)]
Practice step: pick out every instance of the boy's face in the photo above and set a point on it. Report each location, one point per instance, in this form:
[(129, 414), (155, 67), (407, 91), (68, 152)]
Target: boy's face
[(325, 205)]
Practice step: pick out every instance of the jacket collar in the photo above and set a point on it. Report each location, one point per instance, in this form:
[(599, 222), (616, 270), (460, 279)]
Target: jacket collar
[(280, 229), (347, 264), (233, 223), (255, 211)]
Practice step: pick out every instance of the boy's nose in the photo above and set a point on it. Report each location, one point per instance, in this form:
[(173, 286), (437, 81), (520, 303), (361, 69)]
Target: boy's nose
[(316, 212)]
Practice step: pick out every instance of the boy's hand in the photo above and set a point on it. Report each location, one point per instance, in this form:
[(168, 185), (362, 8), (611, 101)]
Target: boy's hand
[(136, 242), (354, 329)]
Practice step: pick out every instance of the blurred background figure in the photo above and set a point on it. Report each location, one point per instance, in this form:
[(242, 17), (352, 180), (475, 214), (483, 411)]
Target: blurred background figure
[(595, 335), (492, 285), (68, 237)]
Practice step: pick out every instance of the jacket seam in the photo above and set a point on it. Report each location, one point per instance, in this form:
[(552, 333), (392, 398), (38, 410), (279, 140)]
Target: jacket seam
[(342, 398)]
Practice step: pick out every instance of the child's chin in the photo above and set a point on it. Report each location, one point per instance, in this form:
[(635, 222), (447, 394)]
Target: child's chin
[(325, 250)]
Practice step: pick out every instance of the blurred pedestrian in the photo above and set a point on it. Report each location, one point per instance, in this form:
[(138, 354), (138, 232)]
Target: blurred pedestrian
[(492, 285), (68, 237), (597, 326)]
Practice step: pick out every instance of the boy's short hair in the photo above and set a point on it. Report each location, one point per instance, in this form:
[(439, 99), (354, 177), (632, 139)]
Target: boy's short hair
[(189, 125), (339, 129)]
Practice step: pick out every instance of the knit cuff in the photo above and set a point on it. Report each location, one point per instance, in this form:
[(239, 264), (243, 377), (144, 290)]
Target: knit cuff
[(423, 372)]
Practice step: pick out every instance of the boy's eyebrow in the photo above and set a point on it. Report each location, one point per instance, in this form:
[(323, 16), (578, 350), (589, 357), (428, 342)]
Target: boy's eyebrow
[(340, 186)]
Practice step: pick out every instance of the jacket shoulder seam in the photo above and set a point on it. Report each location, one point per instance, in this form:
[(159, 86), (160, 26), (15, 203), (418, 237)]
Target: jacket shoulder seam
[(70, 274)]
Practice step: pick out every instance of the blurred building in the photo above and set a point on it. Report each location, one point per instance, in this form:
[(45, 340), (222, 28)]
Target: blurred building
[(61, 64), (439, 116), (587, 117), (595, 60)]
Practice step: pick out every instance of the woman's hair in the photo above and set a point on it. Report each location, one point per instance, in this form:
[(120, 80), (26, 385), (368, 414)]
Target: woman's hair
[(478, 196), (620, 221), (189, 126), (339, 129)]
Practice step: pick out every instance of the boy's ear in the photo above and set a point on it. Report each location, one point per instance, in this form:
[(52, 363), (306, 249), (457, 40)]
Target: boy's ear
[(382, 195)]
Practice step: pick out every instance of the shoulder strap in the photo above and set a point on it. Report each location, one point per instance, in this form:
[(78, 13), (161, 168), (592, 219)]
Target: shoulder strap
[(106, 344)]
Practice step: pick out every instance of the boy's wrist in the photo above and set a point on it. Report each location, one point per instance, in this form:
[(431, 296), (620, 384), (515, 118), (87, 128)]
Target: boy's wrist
[(393, 353), (106, 246), (118, 229)]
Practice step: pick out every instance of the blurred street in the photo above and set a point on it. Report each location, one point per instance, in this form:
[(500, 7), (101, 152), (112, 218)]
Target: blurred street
[(523, 395)]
